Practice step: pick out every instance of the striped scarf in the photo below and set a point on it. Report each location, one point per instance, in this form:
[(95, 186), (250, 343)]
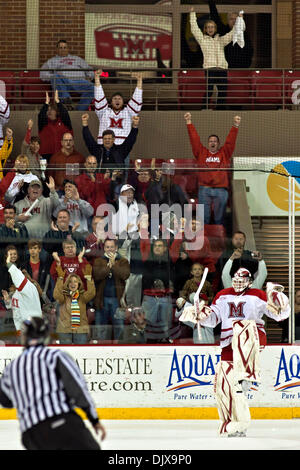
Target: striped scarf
[(75, 310)]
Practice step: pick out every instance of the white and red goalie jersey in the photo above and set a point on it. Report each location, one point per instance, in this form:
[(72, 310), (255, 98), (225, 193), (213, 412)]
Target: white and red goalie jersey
[(252, 304), (119, 122), (25, 302)]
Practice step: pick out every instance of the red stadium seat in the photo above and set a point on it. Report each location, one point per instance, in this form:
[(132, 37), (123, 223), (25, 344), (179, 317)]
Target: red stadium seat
[(33, 89), (8, 85), (191, 86), (239, 89), (267, 87), (291, 85)]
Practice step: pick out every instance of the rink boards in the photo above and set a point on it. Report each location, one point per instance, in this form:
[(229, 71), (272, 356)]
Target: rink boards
[(175, 382)]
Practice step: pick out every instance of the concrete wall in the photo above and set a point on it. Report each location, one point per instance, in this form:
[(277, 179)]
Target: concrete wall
[(163, 134)]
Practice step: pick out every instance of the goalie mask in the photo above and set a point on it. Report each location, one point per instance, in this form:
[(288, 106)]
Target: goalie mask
[(241, 280)]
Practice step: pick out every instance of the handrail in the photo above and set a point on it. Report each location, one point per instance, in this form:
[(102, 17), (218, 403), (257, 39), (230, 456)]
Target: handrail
[(176, 89)]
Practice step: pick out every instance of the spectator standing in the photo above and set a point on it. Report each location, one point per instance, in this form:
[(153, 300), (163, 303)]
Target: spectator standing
[(70, 262), (93, 186), (191, 246), (4, 116), (213, 184), (53, 122), (117, 116), (66, 163), (258, 278), (22, 176), (157, 289), (191, 286), (110, 273), (95, 240), (36, 267), (61, 230), (237, 57), (71, 74), (240, 257), (6, 149), (35, 210), (214, 62), (125, 220), (63, 427), (11, 231), (72, 296), (80, 210), (140, 179), (31, 148), (109, 155)]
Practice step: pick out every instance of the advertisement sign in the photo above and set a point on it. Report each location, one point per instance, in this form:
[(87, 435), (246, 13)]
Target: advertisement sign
[(268, 184), (175, 376)]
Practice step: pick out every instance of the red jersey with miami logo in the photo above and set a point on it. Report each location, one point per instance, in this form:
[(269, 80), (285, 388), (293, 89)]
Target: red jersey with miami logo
[(209, 163), (229, 306)]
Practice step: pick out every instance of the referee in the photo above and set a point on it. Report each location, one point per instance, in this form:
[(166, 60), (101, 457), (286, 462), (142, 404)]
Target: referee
[(44, 385)]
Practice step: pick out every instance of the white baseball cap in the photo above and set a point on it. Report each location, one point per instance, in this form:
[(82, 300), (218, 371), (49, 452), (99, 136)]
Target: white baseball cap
[(125, 187)]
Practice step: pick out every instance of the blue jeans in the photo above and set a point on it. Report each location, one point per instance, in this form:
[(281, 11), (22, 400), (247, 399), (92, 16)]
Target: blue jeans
[(158, 313), (106, 318), (65, 85), (73, 338), (216, 198)]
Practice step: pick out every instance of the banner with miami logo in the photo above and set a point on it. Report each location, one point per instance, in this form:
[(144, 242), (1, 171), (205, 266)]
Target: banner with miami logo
[(127, 40)]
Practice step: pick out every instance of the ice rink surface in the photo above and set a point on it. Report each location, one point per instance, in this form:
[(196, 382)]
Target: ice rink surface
[(280, 435)]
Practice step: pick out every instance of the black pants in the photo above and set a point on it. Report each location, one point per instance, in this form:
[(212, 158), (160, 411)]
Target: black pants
[(218, 78), (63, 432)]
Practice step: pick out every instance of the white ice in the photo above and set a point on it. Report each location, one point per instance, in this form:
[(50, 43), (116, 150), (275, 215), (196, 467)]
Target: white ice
[(180, 435)]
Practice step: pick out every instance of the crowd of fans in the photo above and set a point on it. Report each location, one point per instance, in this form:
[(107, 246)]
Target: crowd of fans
[(82, 229), (85, 232)]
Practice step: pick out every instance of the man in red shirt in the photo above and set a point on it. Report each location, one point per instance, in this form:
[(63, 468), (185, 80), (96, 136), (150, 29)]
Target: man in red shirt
[(213, 183), (93, 186), (67, 155)]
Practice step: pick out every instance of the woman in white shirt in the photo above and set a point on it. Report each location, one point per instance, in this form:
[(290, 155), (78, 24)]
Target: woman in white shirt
[(214, 62)]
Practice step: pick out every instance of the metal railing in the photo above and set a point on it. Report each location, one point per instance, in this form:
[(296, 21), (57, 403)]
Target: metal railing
[(169, 89)]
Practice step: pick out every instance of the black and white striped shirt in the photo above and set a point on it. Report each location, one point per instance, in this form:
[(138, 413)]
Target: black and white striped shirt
[(42, 383)]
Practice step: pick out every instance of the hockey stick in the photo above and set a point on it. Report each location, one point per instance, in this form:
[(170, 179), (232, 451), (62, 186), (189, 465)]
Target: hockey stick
[(191, 313), (196, 298)]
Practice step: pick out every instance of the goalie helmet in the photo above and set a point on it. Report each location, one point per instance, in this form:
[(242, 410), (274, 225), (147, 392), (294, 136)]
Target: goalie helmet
[(241, 280), (34, 331)]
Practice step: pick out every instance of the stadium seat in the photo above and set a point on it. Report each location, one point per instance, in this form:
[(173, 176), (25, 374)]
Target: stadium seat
[(33, 89), (191, 86), (267, 87), (291, 85), (8, 85), (239, 90)]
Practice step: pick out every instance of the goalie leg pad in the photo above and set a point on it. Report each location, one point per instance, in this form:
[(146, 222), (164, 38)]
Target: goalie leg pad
[(232, 404), (245, 347)]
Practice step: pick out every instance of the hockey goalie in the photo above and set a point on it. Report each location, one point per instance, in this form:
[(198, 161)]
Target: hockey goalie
[(240, 310)]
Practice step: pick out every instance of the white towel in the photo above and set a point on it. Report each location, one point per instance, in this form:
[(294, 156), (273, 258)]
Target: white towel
[(238, 31)]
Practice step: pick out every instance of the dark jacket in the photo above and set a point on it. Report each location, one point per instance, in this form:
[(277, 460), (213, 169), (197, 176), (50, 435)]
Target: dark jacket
[(101, 271), (52, 241), (117, 153), (236, 56)]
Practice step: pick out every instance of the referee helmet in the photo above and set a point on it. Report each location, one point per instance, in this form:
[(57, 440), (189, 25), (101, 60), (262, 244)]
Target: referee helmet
[(34, 331)]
